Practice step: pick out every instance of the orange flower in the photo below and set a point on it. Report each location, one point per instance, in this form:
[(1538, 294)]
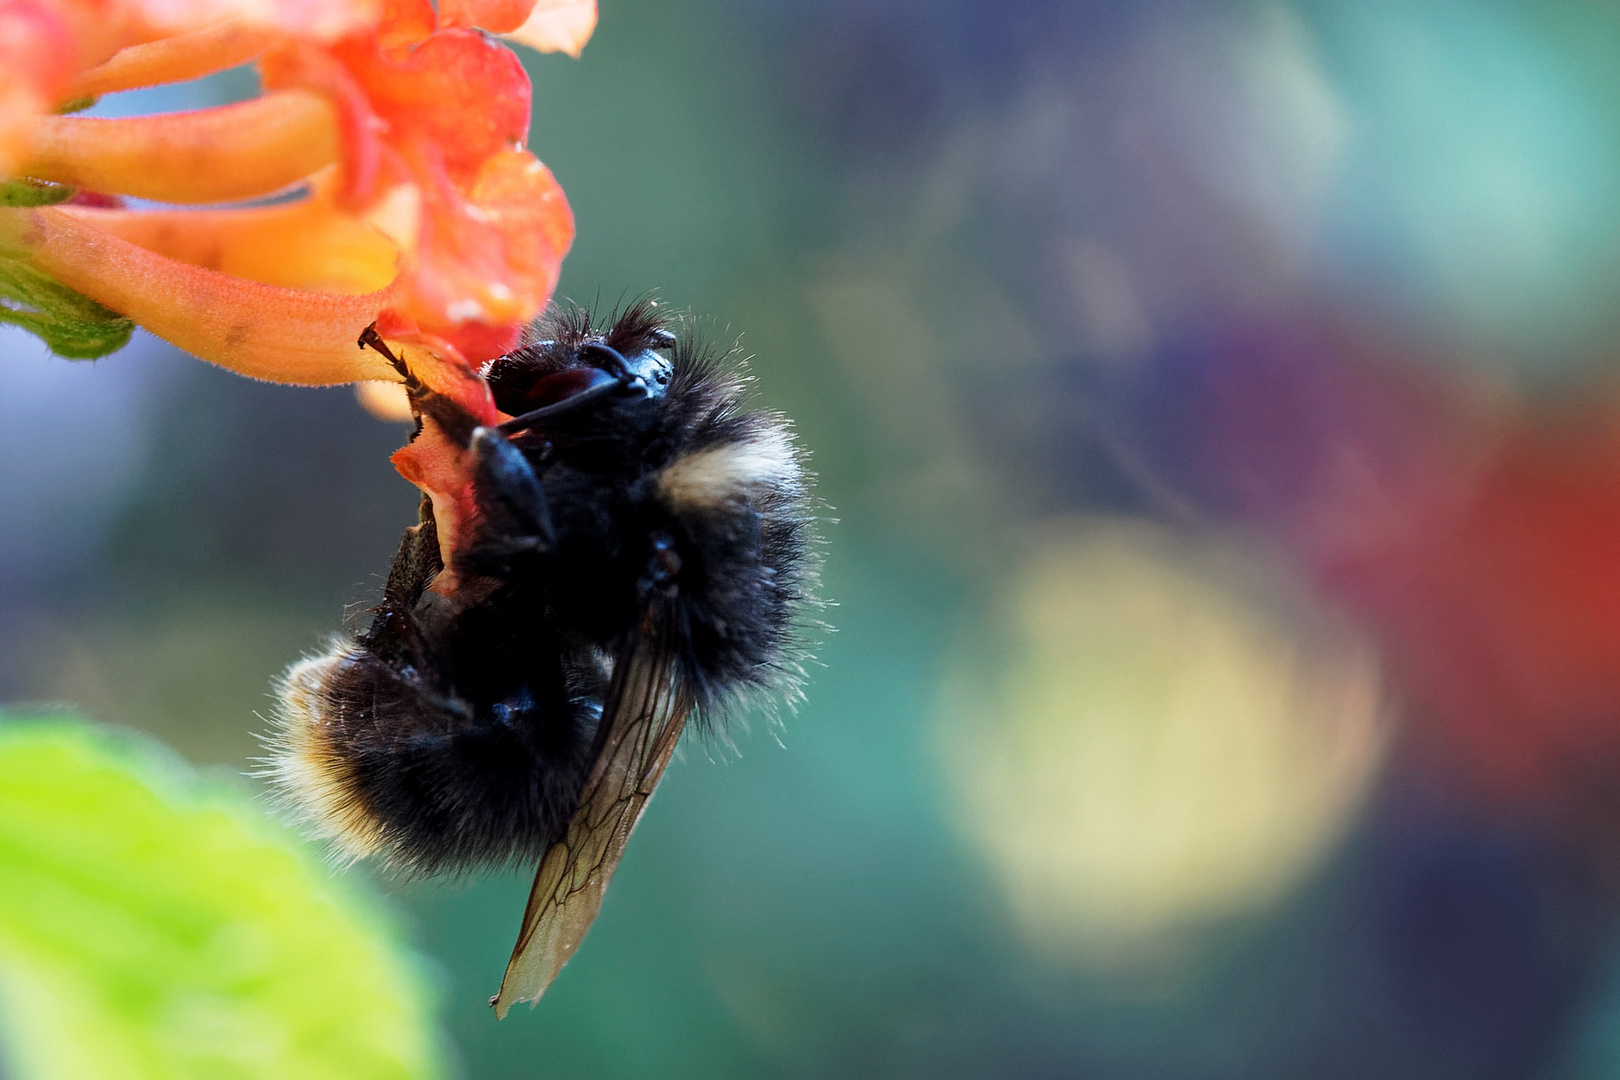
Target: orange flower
[(404, 128)]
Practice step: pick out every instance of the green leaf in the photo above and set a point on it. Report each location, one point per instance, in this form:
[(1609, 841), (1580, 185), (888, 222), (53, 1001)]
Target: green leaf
[(72, 324), (156, 926), (26, 192)]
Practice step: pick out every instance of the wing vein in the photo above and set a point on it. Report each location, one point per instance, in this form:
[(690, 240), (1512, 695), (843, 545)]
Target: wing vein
[(642, 721)]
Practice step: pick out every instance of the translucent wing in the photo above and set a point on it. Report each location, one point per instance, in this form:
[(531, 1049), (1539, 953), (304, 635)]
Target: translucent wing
[(642, 720)]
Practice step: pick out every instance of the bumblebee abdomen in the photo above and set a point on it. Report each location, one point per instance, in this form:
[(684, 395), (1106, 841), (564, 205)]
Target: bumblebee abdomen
[(427, 780)]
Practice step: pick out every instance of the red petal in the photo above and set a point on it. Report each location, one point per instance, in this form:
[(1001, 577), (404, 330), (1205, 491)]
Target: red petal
[(518, 194), (405, 22), (98, 200), (458, 91), (431, 461), (37, 46), (448, 113), (37, 58), (480, 342), (496, 16), (443, 471), (493, 258), (369, 167)]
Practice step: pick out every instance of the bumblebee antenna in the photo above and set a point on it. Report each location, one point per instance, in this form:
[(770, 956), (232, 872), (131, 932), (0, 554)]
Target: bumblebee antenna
[(613, 361)]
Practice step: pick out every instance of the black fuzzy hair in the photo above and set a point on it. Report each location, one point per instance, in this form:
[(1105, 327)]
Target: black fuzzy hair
[(458, 730)]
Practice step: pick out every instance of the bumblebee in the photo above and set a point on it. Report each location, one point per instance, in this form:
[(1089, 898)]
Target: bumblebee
[(634, 549)]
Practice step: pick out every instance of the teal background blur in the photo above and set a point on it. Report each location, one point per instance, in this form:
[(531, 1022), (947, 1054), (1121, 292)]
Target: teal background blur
[(1217, 406)]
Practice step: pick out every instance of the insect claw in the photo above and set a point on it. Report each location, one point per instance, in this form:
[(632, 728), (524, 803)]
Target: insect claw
[(370, 337)]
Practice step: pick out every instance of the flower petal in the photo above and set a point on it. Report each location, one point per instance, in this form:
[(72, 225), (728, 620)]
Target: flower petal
[(37, 57), (210, 155), (406, 22), (458, 90), (433, 461), (496, 16), (490, 259), (368, 166), (558, 26), (302, 245), (457, 94), (283, 335), (519, 196), (443, 470), (175, 59), (322, 20), (445, 119)]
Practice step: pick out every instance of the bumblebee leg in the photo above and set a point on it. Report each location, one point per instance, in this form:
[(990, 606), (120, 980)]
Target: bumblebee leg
[(661, 578), (369, 338)]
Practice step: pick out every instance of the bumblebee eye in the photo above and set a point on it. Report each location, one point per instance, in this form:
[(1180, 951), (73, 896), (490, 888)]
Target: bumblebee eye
[(564, 385)]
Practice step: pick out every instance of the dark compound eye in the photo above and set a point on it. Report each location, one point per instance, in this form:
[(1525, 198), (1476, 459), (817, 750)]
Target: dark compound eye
[(563, 385)]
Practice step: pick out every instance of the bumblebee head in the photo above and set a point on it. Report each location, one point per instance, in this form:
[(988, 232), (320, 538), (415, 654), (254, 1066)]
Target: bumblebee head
[(666, 500), (568, 368)]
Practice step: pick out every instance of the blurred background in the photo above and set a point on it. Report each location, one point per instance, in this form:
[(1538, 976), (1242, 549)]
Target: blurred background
[(1218, 406)]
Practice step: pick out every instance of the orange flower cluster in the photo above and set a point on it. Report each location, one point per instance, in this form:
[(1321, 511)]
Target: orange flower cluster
[(404, 127)]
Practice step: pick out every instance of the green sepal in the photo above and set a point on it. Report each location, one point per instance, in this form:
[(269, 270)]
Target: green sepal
[(70, 323), (26, 192), (78, 104)]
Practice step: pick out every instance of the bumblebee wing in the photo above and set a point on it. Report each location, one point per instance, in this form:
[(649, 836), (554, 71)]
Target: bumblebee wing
[(645, 710)]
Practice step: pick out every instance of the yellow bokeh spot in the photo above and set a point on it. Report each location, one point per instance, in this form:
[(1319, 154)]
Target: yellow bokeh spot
[(1151, 735), (385, 400)]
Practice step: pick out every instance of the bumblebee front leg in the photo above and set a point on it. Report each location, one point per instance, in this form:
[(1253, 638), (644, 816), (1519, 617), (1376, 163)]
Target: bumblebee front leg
[(516, 517)]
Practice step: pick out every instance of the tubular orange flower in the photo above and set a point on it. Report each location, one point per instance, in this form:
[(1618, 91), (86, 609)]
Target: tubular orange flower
[(405, 128), (422, 213)]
